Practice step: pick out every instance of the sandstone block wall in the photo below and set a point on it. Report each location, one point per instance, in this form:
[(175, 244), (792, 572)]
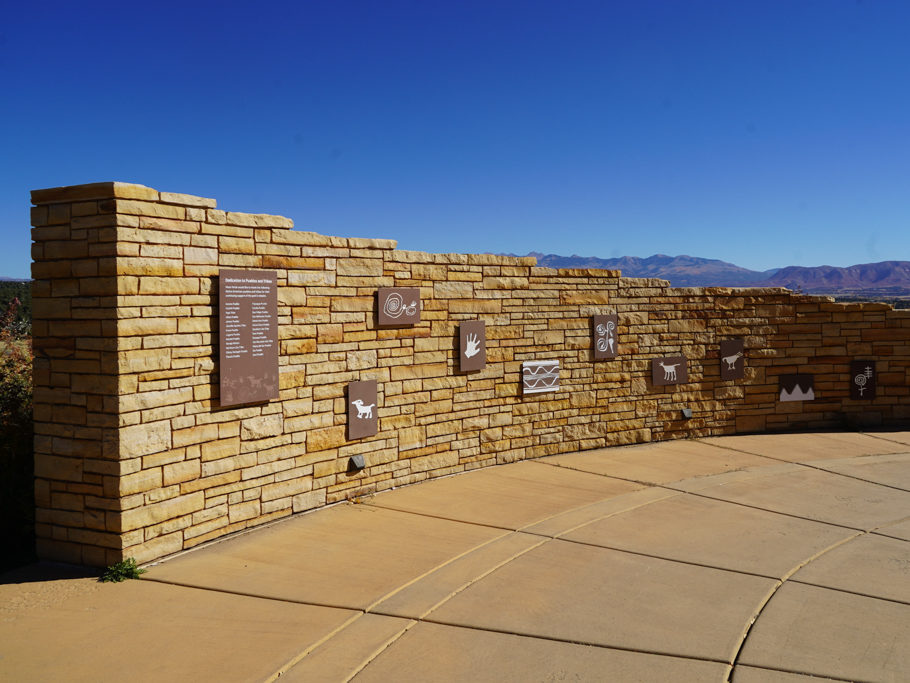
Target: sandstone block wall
[(135, 457)]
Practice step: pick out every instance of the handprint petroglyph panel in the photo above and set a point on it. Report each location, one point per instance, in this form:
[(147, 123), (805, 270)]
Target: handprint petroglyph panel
[(472, 337)]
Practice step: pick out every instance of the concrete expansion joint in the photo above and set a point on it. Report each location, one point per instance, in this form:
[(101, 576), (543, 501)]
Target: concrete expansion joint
[(700, 494), (819, 468)]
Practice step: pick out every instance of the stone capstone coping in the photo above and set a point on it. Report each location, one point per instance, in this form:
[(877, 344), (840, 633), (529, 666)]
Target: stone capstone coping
[(110, 190)]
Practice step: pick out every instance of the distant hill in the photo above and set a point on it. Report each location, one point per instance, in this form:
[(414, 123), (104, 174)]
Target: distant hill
[(881, 277), (891, 278), (682, 271)]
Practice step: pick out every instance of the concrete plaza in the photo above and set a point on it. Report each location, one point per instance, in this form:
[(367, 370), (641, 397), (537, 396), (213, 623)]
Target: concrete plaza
[(746, 558)]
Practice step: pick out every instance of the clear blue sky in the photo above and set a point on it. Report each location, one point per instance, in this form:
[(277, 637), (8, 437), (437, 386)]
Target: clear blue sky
[(762, 132)]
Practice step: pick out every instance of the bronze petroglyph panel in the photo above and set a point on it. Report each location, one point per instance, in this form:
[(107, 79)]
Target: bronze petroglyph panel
[(538, 376), (362, 416), (732, 359), (862, 380), (605, 344), (669, 370), (472, 347), (799, 387), (399, 306)]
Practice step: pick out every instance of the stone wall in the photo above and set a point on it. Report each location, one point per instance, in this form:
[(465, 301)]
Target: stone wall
[(135, 457)]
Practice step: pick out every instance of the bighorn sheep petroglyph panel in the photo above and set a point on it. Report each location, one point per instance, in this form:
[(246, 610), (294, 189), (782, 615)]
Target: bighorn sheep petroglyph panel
[(669, 370), (800, 387), (605, 344), (538, 376), (862, 380), (362, 418), (399, 306), (472, 347), (732, 359)]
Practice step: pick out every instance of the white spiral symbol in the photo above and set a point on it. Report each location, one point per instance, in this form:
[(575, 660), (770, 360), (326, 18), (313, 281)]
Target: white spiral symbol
[(860, 381), (601, 344), (601, 330), (393, 305), (611, 325)]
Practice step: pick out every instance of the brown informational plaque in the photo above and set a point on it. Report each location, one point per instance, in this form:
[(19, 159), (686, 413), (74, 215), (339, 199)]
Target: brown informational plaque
[(796, 387), (669, 370), (862, 380), (732, 360), (472, 348), (605, 336), (248, 344), (362, 418), (399, 306)]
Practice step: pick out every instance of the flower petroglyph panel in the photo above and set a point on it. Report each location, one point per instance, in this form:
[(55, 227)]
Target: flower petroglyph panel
[(862, 380)]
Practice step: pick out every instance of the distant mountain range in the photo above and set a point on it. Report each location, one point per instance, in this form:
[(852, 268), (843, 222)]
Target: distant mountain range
[(887, 277)]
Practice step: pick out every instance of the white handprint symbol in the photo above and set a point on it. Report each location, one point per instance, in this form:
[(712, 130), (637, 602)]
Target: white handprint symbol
[(472, 348)]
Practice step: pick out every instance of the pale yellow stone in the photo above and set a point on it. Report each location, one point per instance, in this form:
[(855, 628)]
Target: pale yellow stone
[(179, 472), (361, 360), (140, 326), (411, 437), (360, 267), (145, 439), (243, 511), (324, 439), (308, 501), (261, 427), (139, 482), (159, 512), (187, 200)]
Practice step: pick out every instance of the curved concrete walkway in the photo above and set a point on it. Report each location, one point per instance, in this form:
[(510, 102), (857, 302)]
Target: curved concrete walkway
[(746, 558)]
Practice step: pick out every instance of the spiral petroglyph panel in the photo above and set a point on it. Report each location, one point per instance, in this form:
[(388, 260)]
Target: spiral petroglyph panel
[(398, 306)]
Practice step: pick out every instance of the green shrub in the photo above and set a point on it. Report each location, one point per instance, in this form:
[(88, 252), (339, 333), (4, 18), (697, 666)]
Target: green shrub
[(121, 571)]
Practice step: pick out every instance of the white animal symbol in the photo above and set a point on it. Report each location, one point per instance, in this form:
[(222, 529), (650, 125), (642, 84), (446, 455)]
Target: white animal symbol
[(363, 411), (731, 360), (669, 370), (472, 348)]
